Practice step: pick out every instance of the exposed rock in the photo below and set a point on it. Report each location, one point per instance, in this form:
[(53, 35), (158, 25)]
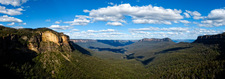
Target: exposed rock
[(49, 36), (155, 40), (211, 39), (38, 40)]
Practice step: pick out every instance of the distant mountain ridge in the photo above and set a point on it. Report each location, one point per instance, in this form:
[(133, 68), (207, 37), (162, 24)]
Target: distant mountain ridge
[(211, 39), (155, 40)]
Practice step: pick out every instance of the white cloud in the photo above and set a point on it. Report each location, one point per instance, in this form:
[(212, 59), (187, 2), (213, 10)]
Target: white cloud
[(174, 29), (196, 15), (75, 30), (140, 14), (172, 32), (187, 15), (10, 11), (215, 18), (24, 23), (81, 20), (110, 3), (6, 18), (98, 34), (11, 24), (114, 23), (98, 31), (13, 2), (58, 27), (58, 22), (184, 21), (149, 21)]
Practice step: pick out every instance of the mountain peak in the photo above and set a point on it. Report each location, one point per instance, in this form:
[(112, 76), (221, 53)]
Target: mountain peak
[(155, 40)]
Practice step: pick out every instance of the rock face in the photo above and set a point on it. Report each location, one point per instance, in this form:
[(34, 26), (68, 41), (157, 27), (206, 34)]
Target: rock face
[(155, 40), (211, 39), (39, 40)]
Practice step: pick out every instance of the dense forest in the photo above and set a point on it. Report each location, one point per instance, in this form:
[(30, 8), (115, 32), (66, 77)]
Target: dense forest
[(44, 53)]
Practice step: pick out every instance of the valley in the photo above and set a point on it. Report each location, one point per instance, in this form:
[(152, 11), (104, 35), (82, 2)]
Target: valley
[(45, 53)]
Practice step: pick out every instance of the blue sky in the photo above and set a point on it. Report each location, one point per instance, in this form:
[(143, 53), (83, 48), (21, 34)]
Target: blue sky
[(118, 19)]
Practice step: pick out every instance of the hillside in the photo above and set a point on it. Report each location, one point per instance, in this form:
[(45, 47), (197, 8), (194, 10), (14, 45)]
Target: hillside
[(44, 53)]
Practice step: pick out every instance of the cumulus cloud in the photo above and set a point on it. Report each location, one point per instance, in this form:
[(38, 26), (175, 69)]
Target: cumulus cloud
[(172, 32), (196, 15), (187, 15), (11, 24), (140, 14), (114, 23), (174, 29), (110, 3), (80, 20), (215, 18), (58, 22), (58, 27), (10, 11), (75, 30), (13, 2), (184, 21), (6, 18), (99, 34), (98, 31)]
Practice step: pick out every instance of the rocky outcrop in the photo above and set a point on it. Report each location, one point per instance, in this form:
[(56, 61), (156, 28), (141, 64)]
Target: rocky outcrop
[(211, 39), (155, 40), (39, 40)]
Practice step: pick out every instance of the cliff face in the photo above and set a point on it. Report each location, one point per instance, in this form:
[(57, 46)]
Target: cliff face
[(211, 39), (38, 40), (155, 40), (40, 51)]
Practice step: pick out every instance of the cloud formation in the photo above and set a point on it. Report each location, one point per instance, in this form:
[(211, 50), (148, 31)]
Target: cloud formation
[(13, 2), (114, 23), (215, 18), (115, 15), (58, 27), (196, 15), (11, 24), (80, 20), (172, 32), (6, 18), (10, 11)]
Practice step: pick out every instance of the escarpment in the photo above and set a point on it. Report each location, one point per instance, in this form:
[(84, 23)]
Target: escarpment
[(38, 40), (155, 40), (211, 39)]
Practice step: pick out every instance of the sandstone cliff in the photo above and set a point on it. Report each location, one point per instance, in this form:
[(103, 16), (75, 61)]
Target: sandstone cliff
[(211, 39), (39, 40), (155, 40)]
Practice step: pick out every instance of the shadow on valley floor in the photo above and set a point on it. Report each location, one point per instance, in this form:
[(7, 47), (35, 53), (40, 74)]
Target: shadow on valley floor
[(116, 43), (77, 47), (172, 49), (119, 50)]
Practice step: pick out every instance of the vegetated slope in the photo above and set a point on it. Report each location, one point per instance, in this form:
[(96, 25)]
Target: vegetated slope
[(145, 48), (201, 59), (44, 53)]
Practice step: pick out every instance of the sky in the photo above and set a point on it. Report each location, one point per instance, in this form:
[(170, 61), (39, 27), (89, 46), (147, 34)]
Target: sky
[(117, 19)]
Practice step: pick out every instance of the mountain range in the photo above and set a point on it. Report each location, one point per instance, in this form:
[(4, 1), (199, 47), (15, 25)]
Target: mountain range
[(45, 53)]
